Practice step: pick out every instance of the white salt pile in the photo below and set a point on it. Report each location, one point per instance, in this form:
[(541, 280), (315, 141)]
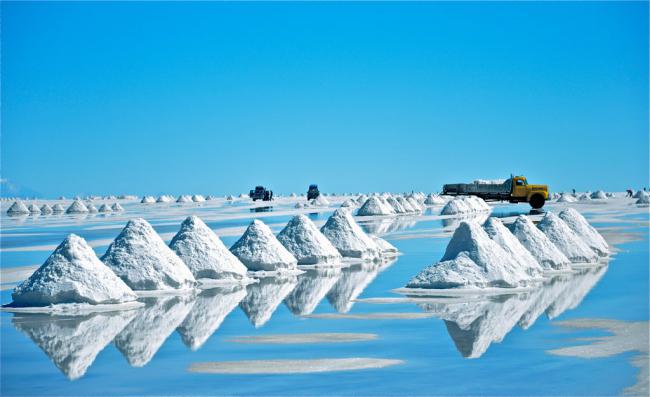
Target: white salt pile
[(415, 203), (197, 198), (105, 208), (242, 195), (374, 206), (57, 208), (610, 195), (301, 205), (77, 207), (472, 260), (164, 199), (584, 197), (307, 244), (348, 237), (566, 198), (116, 207), (210, 198), (502, 236), (571, 245), (46, 209), (639, 194), (536, 242), (362, 199), (396, 206), (72, 274), (33, 209), (645, 199), (293, 195), (320, 201), (205, 254), (386, 248), (349, 203), (91, 208), (433, 199), (408, 208), (184, 199), (258, 249), (142, 259), (230, 198), (598, 195), (588, 233), (465, 205), (148, 200)]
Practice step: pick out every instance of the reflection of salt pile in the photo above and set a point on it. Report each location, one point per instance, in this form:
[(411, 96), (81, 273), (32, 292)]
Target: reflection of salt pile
[(77, 207), (433, 199), (311, 289), (72, 274), (263, 298), (536, 242), (320, 201), (73, 342), (348, 238), (210, 309), (353, 280), (33, 209), (565, 239), (576, 290), (148, 200), (375, 206), (142, 259), (474, 326), (204, 253), (105, 208), (18, 208), (46, 209), (566, 198), (598, 195), (141, 338), (57, 208), (116, 207), (307, 244), (472, 259), (258, 249), (502, 236), (590, 236), (465, 205)]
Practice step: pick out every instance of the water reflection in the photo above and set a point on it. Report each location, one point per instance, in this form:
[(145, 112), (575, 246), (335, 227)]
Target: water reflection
[(452, 223), (312, 287), (352, 282), (210, 309), (263, 298), (474, 323), (387, 225), (72, 342), (140, 340)]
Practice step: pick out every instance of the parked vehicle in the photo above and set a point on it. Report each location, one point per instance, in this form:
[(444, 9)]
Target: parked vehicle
[(312, 192), (261, 193), (514, 189)]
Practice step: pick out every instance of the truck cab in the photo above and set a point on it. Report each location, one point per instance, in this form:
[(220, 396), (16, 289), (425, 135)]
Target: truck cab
[(260, 193), (313, 192), (536, 195)]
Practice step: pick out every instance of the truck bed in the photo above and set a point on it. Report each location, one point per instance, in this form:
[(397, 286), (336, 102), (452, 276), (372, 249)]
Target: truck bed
[(494, 191)]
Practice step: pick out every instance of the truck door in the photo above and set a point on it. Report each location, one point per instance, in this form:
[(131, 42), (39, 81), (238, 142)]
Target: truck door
[(519, 187)]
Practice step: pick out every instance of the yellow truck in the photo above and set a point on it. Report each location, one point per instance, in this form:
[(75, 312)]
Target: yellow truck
[(514, 189)]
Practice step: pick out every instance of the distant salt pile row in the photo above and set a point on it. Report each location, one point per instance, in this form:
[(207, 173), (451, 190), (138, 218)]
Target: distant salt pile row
[(77, 207), (465, 205), (139, 260), (491, 255), (388, 204), (197, 198)]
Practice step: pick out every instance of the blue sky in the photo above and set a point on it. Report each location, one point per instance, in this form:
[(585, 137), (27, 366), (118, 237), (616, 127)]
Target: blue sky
[(214, 98)]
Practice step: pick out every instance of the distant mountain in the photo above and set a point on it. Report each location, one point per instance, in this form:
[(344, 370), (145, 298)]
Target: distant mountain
[(11, 189)]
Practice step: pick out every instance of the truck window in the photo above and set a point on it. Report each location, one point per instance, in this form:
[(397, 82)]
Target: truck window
[(520, 182)]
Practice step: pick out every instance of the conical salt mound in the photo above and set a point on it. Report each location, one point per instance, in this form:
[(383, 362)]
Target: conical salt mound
[(566, 240), (536, 242), (584, 230), (77, 207), (349, 203), (147, 200), (258, 249), (434, 200), (396, 206), (72, 274), (639, 194), (116, 207), (374, 206), (105, 208), (320, 201), (645, 199), (303, 239), (91, 208), (33, 209), (197, 198), (502, 236), (18, 208), (57, 208), (204, 253), (183, 199), (348, 237), (46, 209), (408, 207), (598, 195), (566, 198), (140, 257), (163, 199)]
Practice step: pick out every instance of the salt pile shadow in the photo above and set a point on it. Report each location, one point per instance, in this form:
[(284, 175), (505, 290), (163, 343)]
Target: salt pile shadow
[(474, 324)]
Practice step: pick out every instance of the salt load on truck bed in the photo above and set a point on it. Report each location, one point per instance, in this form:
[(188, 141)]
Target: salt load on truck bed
[(514, 189)]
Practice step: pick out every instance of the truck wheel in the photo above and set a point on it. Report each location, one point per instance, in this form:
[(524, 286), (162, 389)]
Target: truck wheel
[(537, 201)]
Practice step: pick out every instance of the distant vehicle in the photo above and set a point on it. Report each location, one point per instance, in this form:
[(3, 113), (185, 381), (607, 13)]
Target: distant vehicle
[(313, 192), (514, 189), (261, 193)]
